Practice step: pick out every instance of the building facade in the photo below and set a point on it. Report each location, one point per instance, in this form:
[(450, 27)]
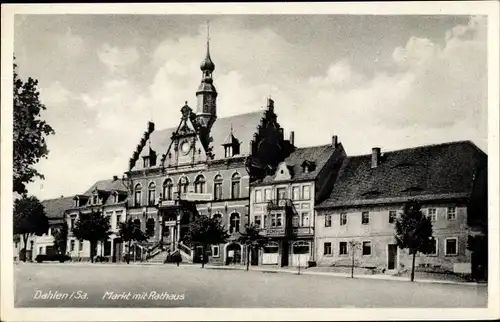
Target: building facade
[(282, 204), (203, 166), (369, 195), (110, 198)]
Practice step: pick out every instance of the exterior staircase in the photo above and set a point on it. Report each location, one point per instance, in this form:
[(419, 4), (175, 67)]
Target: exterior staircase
[(159, 258), (186, 252)]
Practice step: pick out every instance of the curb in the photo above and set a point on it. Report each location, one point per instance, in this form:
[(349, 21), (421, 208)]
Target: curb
[(265, 270)]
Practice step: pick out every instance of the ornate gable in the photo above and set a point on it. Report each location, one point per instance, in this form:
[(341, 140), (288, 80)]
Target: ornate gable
[(186, 147)]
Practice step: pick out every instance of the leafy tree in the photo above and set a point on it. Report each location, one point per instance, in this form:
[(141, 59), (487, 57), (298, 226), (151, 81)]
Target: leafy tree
[(61, 238), (206, 231), (129, 232), (91, 226), (29, 218), (29, 132), (252, 239), (414, 232)]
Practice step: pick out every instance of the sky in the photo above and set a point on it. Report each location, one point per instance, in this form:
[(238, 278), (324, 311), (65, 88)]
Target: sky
[(374, 81)]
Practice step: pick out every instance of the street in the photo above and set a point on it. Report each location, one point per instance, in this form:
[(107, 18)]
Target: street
[(103, 285)]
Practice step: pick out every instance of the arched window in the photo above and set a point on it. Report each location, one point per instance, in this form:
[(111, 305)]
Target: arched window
[(235, 185), (137, 223), (151, 194), (218, 187), (234, 223), (199, 184), (137, 195), (150, 227), (183, 184), (167, 189)]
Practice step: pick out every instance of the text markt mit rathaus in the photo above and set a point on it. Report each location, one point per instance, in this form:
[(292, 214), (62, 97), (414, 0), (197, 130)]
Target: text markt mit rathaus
[(153, 295)]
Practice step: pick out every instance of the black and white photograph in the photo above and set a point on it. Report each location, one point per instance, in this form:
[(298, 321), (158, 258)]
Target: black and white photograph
[(209, 157)]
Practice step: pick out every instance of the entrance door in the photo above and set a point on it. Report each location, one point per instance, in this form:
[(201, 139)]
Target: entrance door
[(301, 254), (254, 256), (233, 254), (392, 256), (270, 254)]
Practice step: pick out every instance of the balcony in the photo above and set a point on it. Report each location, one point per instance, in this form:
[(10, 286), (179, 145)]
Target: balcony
[(303, 231)]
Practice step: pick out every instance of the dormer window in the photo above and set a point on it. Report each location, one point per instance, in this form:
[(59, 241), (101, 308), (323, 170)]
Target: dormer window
[(150, 159), (95, 199), (77, 202), (146, 162), (116, 197), (231, 145), (308, 166)]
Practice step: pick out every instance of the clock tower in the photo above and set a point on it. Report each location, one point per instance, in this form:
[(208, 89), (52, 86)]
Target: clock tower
[(206, 110)]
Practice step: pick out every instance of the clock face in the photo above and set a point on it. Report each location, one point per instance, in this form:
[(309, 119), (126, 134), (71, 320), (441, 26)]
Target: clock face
[(185, 147)]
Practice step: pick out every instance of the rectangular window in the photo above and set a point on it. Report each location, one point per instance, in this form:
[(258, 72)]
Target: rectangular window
[(72, 223), (146, 162), (431, 212), (305, 219), (367, 248), (265, 222), (72, 245), (40, 250), (267, 194), (343, 248), (306, 192), (258, 221), (278, 220), (80, 245), (295, 221), (343, 219), (216, 251), (452, 213), (392, 216), (281, 193), (258, 195), (273, 220), (328, 220), (118, 220), (451, 246), (365, 218), (295, 193), (327, 248), (434, 251)]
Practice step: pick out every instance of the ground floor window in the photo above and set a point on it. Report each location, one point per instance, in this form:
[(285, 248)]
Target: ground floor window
[(80, 245), (451, 247), (367, 248), (72, 245), (434, 250), (40, 250), (327, 248), (343, 248)]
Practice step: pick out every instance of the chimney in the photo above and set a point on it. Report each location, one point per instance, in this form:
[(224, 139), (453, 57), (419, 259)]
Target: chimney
[(292, 138), (375, 157), (335, 141), (115, 178), (270, 105)]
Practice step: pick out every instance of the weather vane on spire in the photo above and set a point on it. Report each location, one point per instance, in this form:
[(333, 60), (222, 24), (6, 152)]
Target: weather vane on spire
[(208, 32)]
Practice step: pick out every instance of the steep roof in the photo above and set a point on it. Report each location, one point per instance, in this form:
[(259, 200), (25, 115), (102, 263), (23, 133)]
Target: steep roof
[(426, 172), (107, 185), (244, 127), (318, 155), (54, 208)]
